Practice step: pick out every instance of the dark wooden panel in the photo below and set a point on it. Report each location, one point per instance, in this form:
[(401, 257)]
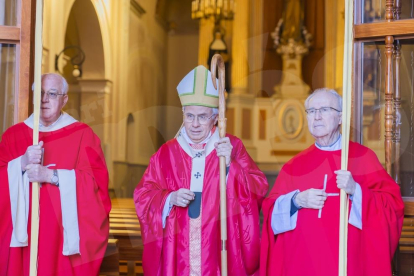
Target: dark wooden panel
[(110, 263), (262, 125), (247, 123), (230, 121)]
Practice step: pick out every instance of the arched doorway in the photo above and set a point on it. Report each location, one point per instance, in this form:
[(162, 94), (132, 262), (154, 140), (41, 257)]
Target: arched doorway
[(88, 95)]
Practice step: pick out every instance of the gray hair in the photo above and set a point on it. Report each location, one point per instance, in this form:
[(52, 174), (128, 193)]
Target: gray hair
[(64, 83), (215, 110), (325, 90)]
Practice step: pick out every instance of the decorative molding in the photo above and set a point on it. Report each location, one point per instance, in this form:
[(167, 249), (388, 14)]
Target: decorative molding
[(291, 120), (95, 86), (287, 152), (137, 8)]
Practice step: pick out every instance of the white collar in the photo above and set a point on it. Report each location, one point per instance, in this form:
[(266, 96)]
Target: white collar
[(337, 145), (189, 141), (185, 145), (63, 121)]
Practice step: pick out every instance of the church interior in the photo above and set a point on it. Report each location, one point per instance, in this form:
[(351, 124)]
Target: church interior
[(123, 60)]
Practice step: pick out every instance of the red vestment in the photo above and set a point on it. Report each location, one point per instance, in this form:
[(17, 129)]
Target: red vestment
[(312, 248), (74, 147), (166, 251)]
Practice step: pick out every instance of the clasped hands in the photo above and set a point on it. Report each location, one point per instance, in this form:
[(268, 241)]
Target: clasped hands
[(31, 163), (315, 198)]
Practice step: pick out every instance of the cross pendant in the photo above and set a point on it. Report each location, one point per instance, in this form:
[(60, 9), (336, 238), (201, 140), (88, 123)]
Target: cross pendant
[(330, 194)]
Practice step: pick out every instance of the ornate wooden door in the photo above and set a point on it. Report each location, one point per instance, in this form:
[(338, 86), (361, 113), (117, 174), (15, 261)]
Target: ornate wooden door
[(384, 100)]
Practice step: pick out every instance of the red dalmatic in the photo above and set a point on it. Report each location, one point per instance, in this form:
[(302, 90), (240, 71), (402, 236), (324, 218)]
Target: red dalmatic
[(312, 248), (166, 250), (74, 147)]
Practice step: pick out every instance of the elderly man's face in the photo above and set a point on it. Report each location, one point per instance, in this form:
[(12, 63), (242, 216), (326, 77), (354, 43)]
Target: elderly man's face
[(50, 109), (326, 125), (202, 119)]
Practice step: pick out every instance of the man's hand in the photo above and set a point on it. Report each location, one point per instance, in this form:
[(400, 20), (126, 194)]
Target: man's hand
[(38, 173), (224, 148), (345, 181), (33, 155), (312, 198), (182, 197)]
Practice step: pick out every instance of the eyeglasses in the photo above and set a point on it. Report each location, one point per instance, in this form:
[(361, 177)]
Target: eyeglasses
[(323, 110), (202, 119), (51, 94)]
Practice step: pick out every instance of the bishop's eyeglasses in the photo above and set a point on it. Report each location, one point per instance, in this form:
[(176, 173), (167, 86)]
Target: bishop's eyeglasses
[(323, 111), (202, 119)]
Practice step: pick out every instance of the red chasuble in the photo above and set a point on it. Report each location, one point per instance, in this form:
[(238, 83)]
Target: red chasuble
[(166, 251), (74, 147), (312, 247)]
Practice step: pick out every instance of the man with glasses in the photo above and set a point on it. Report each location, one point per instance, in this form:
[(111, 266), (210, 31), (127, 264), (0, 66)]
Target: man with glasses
[(177, 199), (74, 199), (301, 213)]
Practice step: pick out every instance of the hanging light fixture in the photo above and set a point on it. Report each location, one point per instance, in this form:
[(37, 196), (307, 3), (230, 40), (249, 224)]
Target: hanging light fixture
[(220, 9), (77, 59)]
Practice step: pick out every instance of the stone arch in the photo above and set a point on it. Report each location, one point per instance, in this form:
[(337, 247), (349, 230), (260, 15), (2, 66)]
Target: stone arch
[(83, 29), (100, 8), (89, 96)]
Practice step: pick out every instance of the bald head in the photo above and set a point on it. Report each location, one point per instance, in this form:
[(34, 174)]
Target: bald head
[(337, 102), (61, 82)]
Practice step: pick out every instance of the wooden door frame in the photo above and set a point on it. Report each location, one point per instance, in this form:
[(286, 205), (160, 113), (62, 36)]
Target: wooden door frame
[(21, 35)]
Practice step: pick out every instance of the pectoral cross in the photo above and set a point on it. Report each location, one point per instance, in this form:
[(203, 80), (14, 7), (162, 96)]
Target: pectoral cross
[(329, 194)]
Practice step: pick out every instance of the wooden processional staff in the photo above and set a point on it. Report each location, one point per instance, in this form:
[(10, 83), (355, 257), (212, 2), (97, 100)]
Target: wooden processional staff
[(346, 119), (217, 61), (34, 236)]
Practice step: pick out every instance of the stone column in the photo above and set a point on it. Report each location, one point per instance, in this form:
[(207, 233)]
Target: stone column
[(330, 40), (205, 38), (256, 54), (239, 67), (94, 108), (340, 27)]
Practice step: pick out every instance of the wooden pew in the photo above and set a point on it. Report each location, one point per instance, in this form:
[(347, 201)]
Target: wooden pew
[(124, 226), (123, 203), (406, 244), (125, 229), (123, 268), (110, 263)]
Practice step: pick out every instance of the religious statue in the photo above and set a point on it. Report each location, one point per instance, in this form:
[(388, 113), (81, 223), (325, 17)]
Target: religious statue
[(292, 41), (293, 17)]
